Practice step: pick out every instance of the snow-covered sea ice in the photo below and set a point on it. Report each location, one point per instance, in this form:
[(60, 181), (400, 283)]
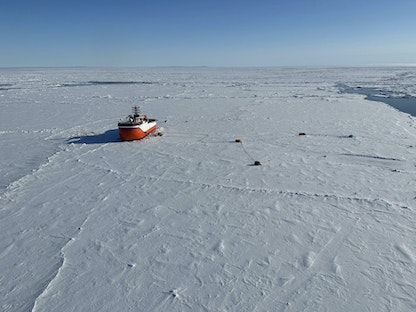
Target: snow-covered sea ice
[(185, 221)]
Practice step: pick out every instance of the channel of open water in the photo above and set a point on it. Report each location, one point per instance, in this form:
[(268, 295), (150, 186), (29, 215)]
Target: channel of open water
[(405, 103)]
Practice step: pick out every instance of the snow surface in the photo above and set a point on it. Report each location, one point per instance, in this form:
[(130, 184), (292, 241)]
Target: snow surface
[(185, 221)]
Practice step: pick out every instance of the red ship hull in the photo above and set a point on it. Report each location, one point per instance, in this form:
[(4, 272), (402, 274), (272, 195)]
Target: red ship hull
[(134, 132)]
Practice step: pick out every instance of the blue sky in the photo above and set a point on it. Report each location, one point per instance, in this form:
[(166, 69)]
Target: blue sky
[(209, 32)]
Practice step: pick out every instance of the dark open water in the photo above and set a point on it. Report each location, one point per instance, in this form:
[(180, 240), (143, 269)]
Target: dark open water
[(405, 103)]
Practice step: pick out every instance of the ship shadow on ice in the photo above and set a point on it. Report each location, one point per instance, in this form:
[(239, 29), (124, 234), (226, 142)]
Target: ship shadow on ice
[(110, 136)]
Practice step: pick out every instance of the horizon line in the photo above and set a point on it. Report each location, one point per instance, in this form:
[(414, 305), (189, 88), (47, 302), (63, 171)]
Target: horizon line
[(212, 66)]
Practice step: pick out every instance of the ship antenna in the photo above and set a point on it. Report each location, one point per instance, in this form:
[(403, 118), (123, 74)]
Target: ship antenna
[(136, 110)]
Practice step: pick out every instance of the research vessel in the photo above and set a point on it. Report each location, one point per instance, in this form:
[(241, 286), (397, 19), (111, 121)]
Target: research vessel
[(135, 126)]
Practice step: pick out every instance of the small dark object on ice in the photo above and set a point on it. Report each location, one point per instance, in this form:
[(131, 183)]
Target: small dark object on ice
[(257, 163), (237, 141), (302, 133)]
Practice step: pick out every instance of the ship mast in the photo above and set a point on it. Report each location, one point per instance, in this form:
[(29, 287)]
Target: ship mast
[(136, 111)]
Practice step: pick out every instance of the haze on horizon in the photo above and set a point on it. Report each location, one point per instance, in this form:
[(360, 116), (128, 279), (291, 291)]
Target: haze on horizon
[(207, 33)]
